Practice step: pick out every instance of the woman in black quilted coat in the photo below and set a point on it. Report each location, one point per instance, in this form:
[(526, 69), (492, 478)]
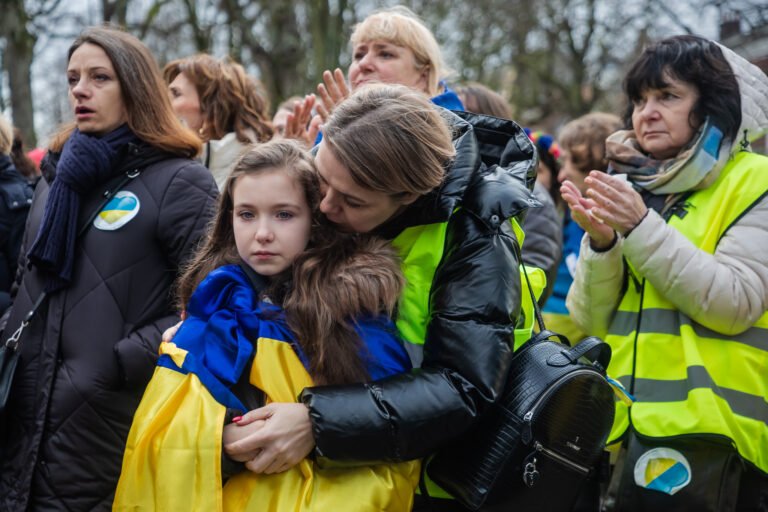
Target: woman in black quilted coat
[(91, 346)]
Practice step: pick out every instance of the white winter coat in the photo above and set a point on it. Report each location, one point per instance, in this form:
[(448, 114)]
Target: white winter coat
[(726, 291)]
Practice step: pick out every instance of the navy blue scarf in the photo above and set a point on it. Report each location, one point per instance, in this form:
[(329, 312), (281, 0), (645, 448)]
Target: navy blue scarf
[(85, 162)]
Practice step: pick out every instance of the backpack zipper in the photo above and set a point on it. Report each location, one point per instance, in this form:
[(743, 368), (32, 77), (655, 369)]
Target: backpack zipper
[(559, 458)]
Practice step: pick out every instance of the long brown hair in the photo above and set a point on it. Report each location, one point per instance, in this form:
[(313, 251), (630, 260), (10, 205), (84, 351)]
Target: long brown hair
[(338, 278), (391, 138), (150, 115), (230, 99)]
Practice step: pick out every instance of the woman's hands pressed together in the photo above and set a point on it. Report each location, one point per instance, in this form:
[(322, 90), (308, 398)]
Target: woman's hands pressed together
[(611, 205), (581, 212), (617, 203)]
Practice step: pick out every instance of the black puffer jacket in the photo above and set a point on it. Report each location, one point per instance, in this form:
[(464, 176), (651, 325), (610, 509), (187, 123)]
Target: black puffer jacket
[(15, 198), (474, 302), (91, 349)]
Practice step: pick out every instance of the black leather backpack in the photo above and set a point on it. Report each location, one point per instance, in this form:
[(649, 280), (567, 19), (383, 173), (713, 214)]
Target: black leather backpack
[(535, 447)]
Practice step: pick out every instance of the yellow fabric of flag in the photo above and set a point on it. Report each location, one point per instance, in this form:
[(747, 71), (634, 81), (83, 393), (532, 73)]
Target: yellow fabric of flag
[(173, 455)]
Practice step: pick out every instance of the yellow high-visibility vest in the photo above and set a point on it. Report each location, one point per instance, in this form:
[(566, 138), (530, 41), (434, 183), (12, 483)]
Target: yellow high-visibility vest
[(689, 379), (421, 250)]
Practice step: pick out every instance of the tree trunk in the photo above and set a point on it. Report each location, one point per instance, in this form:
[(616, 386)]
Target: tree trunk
[(17, 60)]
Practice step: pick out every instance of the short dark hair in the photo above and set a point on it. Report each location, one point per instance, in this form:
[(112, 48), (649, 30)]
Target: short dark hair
[(694, 60)]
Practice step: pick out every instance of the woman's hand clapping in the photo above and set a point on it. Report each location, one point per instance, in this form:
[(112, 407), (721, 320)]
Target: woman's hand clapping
[(581, 212), (298, 125), (611, 205)]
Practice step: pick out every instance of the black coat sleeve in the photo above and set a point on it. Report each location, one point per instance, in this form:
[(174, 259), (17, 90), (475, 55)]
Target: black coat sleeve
[(475, 299)]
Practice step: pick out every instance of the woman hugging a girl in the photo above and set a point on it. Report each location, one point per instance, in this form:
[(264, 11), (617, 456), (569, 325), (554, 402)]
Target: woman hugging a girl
[(276, 301)]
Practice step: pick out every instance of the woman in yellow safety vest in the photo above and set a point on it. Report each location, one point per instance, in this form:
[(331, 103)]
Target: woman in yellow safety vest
[(673, 273)]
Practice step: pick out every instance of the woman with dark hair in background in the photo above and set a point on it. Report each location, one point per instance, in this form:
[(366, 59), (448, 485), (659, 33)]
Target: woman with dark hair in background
[(225, 106), (672, 272), (99, 275), (281, 114), (480, 99), (549, 165)]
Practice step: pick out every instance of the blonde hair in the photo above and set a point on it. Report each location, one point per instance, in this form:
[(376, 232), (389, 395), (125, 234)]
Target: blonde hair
[(6, 137), (400, 26), (391, 138)]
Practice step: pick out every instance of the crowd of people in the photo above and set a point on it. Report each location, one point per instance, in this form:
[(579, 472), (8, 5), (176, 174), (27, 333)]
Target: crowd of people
[(218, 310)]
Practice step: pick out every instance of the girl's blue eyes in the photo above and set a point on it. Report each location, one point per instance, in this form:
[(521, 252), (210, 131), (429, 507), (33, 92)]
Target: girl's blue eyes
[(283, 215)]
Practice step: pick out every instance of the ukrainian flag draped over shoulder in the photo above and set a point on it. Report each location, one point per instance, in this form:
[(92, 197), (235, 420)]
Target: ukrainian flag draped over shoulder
[(173, 454)]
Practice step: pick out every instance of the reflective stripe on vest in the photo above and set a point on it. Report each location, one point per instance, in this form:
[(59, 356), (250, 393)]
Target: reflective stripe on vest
[(689, 379)]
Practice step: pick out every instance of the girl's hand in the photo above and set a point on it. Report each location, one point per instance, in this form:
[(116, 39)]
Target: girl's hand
[(170, 332), (298, 125), (617, 204), (582, 213), (283, 441), (334, 91)]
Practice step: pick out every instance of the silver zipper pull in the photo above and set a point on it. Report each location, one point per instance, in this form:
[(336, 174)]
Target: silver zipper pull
[(527, 434)]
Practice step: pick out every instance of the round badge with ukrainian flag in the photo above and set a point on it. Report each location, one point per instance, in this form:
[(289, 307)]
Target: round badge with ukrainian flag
[(663, 469), (118, 211)]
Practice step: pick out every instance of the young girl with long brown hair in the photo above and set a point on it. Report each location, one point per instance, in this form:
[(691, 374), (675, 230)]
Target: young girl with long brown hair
[(280, 301)]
